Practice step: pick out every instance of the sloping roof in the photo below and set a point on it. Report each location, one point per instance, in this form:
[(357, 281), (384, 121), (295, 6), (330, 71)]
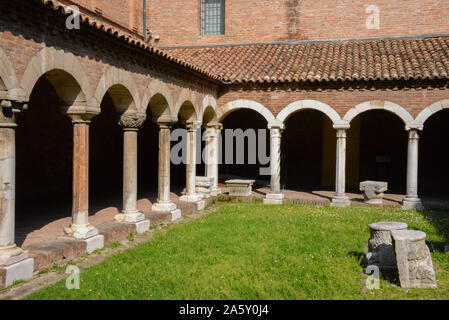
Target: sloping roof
[(119, 35), (323, 61)]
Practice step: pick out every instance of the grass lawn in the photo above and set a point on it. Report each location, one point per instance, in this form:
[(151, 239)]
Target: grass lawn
[(251, 251)]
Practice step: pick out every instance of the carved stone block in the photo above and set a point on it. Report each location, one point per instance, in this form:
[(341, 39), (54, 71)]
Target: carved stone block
[(373, 191), (204, 186), (413, 259), (380, 245), (240, 188)]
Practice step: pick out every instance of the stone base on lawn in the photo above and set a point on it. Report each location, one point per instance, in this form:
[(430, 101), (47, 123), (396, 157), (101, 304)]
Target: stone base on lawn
[(274, 198), (414, 261), (94, 243), (22, 270), (340, 201), (240, 188), (373, 191), (175, 214), (203, 186), (380, 245)]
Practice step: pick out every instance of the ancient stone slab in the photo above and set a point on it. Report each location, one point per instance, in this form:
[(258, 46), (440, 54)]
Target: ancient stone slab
[(175, 215), (203, 186), (94, 243), (274, 198), (240, 188), (373, 191), (380, 245), (200, 205), (22, 270), (142, 226), (413, 258)]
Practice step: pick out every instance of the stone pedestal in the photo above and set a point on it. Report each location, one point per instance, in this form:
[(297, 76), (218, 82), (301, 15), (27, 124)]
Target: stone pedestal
[(380, 245), (204, 186), (275, 196), (413, 259), (240, 188), (373, 191)]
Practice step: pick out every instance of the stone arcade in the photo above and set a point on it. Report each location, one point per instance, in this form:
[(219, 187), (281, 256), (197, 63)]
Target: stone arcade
[(322, 102)]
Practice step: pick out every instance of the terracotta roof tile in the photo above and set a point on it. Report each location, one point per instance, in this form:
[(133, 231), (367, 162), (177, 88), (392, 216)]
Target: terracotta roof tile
[(351, 60)]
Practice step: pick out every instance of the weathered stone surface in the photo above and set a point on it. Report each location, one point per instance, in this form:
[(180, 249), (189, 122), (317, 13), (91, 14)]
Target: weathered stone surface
[(114, 231), (203, 186), (240, 188), (373, 191), (142, 226), (94, 243), (22, 270), (414, 261), (48, 253), (380, 245)]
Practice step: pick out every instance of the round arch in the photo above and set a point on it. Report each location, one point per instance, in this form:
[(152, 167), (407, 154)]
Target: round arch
[(49, 59), (122, 88), (430, 110), (208, 102), (380, 105), (245, 104), (186, 97), (309, 104), (157, 88)]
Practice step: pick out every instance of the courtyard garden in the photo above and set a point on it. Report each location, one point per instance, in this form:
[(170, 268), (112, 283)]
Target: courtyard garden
[(251, 251)]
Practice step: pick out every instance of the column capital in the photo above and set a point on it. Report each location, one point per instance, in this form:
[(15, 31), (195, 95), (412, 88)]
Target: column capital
[(214, 125), (413, 134), (131, 120), (276, 125), (9, 109)]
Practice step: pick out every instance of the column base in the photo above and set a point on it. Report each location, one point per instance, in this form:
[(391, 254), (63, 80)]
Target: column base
[(130, 217), (19, 271), (164, 207), (82, 231), (191, 198), (274, 198), (142, 226), (340, 201), (94, 243), (11, 255), (215, 192), (412, 204)]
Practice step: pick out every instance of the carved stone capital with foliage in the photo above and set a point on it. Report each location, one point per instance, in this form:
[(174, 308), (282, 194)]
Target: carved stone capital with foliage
[(132, 120), (9, 109)]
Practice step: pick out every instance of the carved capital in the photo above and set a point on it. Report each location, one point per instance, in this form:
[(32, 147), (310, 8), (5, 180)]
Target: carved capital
[(132, 120), (9, 109)]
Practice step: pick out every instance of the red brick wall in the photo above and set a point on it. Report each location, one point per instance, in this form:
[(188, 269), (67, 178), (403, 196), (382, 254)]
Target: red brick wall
[(342, 100), (126, 15), (177, 21)]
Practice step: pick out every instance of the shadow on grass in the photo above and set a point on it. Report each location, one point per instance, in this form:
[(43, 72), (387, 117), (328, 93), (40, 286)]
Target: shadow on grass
[(390, 276), (440, 221)]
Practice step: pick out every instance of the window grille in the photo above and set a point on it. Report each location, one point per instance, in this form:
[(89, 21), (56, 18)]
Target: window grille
[(212, 16)]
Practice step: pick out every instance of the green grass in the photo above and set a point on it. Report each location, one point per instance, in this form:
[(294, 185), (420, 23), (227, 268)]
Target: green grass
[(251, 251)]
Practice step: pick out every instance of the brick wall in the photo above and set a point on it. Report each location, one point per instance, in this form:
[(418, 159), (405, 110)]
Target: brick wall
[(178, 21)]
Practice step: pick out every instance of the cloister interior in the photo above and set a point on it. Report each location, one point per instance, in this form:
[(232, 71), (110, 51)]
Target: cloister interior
[(376, 150)]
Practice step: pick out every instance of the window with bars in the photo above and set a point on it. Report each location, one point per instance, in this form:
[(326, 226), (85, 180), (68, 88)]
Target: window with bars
[(212, 16)]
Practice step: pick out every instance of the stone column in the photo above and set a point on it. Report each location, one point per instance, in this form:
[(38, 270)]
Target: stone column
[(412, 201), (9, 252), (275, 196), (340, 199), (164, 203), (131, 122), (191, 195), (212, 150), (80, 227)]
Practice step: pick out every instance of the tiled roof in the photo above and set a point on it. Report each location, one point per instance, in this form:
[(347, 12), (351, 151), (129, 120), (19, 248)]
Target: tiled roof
[(119, 35), (324, 61)]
